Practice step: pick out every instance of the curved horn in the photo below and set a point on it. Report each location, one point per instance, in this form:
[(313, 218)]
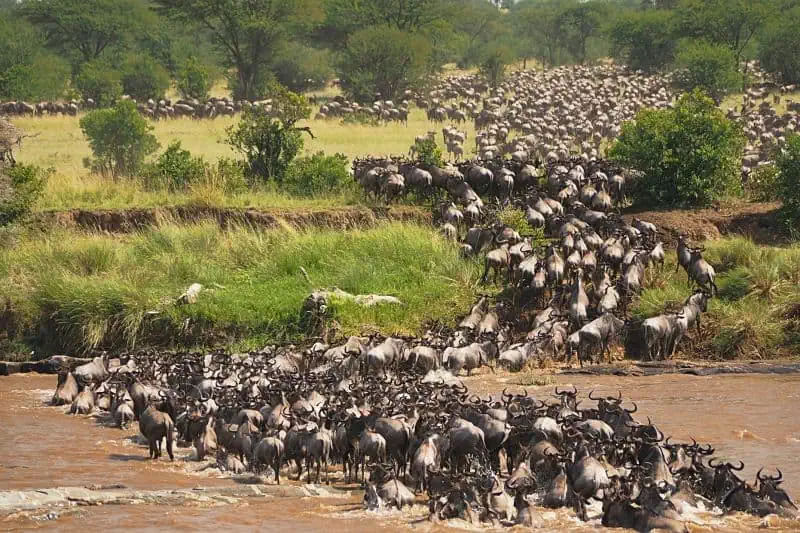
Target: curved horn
[(592, 397), (635, 408), (711, 463), (739, 469)]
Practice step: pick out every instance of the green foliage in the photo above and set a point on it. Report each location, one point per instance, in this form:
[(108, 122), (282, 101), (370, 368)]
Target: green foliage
[(690, 155), (143, 78), (270, 141), (120, 139), (428, 152), (494, 62), (27, 70), (779, 47), (99, 82), (302, 68), (788, 164), (175, 169), (515, 218), (762, 184), (316, 175), (644, 39), (580, 22), (20, 187), (246, 32), (711, 67), (87, 29), (78, 291), (383, 60), (194, 79)]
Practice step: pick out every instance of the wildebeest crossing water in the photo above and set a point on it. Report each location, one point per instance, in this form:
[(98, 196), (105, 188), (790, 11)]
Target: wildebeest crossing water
[(738, 420)]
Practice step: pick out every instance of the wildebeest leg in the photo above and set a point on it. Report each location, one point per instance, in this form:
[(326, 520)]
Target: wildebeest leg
[(277, 467), (485, 272), (169, 449), (327, 481)]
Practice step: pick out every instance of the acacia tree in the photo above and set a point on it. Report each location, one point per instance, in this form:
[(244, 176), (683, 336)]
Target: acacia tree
[(578, 23), (247, 32), (733, 23), (88, 28), (383, 60), (644, 39)]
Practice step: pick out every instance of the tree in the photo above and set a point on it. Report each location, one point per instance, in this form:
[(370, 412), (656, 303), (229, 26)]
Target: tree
[(247, 32), (578, 23), (689, 155), (271, 140), (88, 28), (345, 17), (302, 68), (194, 79), (788, 163), (779, 46), (383, 60), (494, 62), (27, 70), (541, 22), (732, 23), (142, 78), (644, 39), (100, 82), (705, 65), (120, 139), (20, 187)]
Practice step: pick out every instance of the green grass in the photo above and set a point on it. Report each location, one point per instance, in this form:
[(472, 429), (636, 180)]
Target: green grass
[(757, 311), (58, 143), (70, 292)]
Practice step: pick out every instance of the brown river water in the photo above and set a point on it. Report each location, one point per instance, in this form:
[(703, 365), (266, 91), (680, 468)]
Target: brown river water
[(749, 417)]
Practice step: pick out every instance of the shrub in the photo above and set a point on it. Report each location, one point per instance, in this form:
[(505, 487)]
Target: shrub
[(711, 67), (194, 80), (120, 139), (515, 219), (316, 175), (762, 184), (689, 155), (302, 68), (788, 164), (644, 39), (429, 152), (175, 169), (143, 78), (270, 141), (99, 82), (20, 187)]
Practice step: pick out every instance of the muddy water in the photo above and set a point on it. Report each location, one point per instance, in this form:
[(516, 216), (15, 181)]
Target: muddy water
[(744, 417)]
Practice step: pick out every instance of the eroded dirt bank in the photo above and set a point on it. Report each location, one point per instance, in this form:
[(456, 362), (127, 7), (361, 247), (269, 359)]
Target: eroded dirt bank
[(127, 220)]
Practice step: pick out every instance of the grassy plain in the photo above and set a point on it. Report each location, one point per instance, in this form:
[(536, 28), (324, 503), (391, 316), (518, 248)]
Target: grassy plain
[(69, 292), (59, 144)]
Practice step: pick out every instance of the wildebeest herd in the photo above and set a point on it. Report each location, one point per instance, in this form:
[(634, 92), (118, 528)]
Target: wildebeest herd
[(414, 436)]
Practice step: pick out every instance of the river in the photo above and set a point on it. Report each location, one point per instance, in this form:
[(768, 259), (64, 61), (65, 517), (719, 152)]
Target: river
[(748, 417)]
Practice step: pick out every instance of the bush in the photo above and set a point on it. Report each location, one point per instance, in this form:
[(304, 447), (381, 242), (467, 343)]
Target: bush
[(99, 82), (194, 80), (317, 175), (120, 139), (143, 78), (689, 155), (762, 184), (711, 67), (383, 60), (788, 164), (429, 152), (302, 68), (175, 169), (20, 187), (270, 141), (515, 219)]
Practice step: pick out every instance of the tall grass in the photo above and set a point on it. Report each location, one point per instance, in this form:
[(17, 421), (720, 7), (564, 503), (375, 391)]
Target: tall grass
[(75, 291), (757, 311)]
